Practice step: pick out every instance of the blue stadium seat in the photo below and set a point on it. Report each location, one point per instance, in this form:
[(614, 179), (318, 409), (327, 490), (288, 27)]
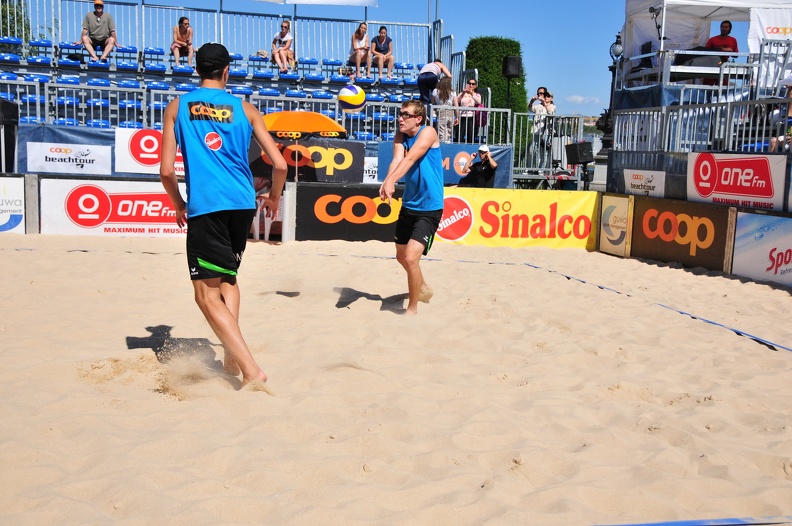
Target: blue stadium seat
[(5, 95), (314, 77), (72, 81), (375, 97), (67, 101), (9, 58), (33, 99), (130, 124), (153, 52), (388, 136), (321, 94), (127, 66), (410, 82), (339, 79), (402, 66), (98, 65), (97, 103), (289, 76), (157, 125), (364, 136), (63, 121), (269, 92), (237, 73), (69, 46), (242, 90), (7, 75), (328, 113), (29, 119), (10, 41), (129, 84), (368, 81), (129, 104), (235, 56), (182, 70), (306, 61), (40, 42), (390, 82), (94, 81), (296, 93), (98, 123), (65, 62), (157, 105), (126, 50), (164, 86), (396, 98), (382, 117), (272, 109), (331, 62), (186, 86), (152, 67), (39, 60), (36, 77), (261, 74), (355, 116)]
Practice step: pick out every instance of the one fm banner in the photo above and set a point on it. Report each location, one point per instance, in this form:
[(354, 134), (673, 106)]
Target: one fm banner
[(763, 248), (107, 208), (12, 205), (138, 152), (747, 181)]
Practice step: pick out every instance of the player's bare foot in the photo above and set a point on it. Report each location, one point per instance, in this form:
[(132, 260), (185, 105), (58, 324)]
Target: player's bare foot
[(260, 378), (426, 294)]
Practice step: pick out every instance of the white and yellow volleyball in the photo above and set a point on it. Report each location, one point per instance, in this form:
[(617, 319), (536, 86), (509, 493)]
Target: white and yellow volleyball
[(351, 98)]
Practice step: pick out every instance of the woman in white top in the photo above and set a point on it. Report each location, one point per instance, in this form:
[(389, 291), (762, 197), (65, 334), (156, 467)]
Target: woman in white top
[(469, 98), (359, 51), (282, 53)]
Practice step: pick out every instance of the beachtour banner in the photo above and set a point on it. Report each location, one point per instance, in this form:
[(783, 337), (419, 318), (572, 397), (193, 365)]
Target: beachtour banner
[(747, 181), (112, 208), (68, 158), (763, 248), (649, 183), (12, 205)]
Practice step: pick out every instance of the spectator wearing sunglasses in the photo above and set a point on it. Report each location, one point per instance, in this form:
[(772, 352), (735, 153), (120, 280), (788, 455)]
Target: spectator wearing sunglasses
[(469, 98), (538, 98), (282, 52)]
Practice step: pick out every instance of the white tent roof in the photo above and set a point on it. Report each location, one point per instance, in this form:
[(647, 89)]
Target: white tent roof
[(734, 10), (685, 24)]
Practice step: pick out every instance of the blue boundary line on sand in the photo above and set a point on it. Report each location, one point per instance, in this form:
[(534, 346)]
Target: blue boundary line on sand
[(757, 339), (753, 521)]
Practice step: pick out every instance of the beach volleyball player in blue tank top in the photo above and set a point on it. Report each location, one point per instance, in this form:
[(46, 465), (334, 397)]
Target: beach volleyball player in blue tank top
[(213, 129), (416, 157)]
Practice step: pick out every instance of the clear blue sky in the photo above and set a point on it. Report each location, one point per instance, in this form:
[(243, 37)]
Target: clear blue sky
[(564, 43)]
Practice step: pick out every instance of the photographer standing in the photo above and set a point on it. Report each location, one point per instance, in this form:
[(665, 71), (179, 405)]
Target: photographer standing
[(480, 174)]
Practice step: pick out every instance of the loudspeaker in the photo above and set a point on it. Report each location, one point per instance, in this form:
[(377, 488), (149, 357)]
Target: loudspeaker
[(511, 66), (579, 153)]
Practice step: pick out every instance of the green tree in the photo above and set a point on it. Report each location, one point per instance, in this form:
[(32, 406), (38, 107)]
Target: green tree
[(485, 54), (15, 20)]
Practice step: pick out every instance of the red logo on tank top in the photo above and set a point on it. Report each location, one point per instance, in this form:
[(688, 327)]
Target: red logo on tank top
[(213, 141)]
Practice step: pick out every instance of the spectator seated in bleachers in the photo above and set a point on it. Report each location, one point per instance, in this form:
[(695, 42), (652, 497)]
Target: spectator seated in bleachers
[(382, 52), (182, 41), (360, 50), (282, 52), (98, 32)]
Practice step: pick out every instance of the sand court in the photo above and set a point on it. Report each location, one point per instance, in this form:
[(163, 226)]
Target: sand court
[(537, 386)]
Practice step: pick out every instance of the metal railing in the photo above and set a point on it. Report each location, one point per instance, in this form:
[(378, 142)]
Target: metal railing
[(737, 126)]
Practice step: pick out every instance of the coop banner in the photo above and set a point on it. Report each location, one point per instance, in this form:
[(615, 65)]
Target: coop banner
[(313, 160)]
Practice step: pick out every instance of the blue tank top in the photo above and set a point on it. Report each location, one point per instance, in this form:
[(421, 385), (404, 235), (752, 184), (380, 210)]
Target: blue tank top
[(423, 190), (214, 135)]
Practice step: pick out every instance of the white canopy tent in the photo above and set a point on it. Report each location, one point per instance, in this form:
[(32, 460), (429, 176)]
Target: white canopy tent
[(685, 24)]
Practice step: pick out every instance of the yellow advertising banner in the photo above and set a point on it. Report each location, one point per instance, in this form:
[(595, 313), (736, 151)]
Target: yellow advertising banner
[(520, 218)]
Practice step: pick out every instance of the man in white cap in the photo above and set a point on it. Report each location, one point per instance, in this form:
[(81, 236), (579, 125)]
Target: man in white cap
[(480, 174), (98, 31)]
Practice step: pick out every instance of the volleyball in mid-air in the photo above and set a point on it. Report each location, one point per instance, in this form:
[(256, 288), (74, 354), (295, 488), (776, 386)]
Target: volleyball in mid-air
[(351, 98)]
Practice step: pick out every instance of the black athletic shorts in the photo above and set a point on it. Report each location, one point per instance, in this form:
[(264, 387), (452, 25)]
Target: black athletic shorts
[(216, 242), (420, 226)]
